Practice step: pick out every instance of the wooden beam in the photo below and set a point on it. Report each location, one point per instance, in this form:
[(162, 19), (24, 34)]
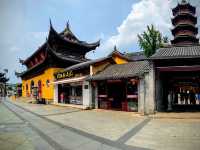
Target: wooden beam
[(178, 68)]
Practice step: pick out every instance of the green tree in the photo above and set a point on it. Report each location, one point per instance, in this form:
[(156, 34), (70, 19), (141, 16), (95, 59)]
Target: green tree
[(150, 40), (3, 78)]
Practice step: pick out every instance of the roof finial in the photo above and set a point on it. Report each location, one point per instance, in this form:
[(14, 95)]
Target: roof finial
[(184, 1), (67, 25), (115, 48), (50, 22)]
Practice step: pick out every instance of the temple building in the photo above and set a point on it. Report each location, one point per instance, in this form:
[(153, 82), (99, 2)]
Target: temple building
[(72, 87), (176, 68), (60, 50), (167, 81)]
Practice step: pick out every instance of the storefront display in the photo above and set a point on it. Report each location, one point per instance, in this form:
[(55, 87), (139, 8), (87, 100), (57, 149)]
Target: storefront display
[(118, 94)]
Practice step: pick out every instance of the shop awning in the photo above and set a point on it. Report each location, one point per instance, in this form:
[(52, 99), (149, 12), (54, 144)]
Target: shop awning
[(70, 80)]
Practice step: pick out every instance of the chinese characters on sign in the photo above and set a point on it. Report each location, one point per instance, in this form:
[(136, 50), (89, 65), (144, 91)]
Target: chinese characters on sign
[(62, 75)]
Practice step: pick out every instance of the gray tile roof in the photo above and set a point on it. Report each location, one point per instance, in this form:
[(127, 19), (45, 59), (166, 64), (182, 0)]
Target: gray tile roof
[(85, 64), (131, 69), (177, 52), (136, 56)]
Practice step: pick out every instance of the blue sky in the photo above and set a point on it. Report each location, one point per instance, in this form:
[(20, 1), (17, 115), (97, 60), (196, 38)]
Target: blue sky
[(25, 24)]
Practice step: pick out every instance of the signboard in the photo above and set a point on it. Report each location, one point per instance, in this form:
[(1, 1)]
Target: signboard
[(63, 75)]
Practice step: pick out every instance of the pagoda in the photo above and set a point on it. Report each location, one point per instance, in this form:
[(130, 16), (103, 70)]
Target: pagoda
[(184, 22)]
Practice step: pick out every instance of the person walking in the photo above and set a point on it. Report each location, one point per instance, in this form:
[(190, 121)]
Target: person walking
[(182, 95), (198, 96), (192, 98)]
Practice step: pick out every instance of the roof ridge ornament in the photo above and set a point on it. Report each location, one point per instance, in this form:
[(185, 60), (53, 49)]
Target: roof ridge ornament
[(115, 48), (184, 1), (67, 25), (50, 22)]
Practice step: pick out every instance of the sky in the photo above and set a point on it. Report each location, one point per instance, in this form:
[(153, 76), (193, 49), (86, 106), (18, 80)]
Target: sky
[(24, 25)]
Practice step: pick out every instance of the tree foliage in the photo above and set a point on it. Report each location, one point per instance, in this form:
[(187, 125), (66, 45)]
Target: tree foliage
[(3, 78), (150, 40)]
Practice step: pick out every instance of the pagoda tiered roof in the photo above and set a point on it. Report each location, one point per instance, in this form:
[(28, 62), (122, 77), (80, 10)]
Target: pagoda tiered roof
[(184, 5), (182, 27), (184, 22), (184, 16)]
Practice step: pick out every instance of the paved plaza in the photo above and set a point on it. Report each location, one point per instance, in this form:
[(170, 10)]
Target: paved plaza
[(31, 126)]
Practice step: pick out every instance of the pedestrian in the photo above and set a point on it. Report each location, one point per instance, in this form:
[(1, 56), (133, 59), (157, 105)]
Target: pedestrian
[(186, 97), (62, 97), (192, 98), (182, 95), (198, 96)]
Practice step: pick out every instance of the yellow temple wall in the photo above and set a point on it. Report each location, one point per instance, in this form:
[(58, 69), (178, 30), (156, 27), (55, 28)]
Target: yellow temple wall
[(101, 66), (119, 60), (47, 90)]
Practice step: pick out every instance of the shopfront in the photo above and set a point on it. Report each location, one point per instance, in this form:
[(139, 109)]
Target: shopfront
[(118, 94), (71, 88), (122, 86), (70, 93)]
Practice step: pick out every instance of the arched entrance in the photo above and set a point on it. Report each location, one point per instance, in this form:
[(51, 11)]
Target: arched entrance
[(31, 87), (27, 94), (39, 89)]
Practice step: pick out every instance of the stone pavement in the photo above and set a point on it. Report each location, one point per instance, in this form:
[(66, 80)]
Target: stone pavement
[(69, 128), (60, 136), (169, 134), (106, 124), (16, 134)]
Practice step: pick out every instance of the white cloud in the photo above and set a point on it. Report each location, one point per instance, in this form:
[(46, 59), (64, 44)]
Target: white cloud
[(143, 13)]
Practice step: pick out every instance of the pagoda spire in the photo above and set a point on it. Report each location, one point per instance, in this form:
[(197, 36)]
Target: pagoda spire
[(184, 1)]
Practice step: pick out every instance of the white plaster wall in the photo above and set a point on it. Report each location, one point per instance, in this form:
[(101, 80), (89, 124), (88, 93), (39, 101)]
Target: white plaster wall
[(141, 96), (87, 95), (149, 102), (56, 93)]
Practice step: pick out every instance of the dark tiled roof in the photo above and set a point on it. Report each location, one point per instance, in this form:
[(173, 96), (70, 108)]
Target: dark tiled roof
[(85, 64), (177, 52), (131, 69), (136, 56)]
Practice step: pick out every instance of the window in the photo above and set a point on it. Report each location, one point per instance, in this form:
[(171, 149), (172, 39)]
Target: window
[(102, 88), (78, 91)]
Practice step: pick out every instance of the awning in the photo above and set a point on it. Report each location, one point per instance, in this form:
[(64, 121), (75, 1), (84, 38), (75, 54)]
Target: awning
[(70, 80)]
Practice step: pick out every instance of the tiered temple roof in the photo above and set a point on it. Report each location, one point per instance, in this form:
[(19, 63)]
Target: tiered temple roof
[(60, 50)]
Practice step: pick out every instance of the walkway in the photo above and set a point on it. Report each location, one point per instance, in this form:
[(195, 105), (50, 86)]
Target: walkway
[(63, 137)]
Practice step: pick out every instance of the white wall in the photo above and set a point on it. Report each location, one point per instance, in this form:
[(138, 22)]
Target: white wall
[(55, 93), (87, 94), (146, 89)]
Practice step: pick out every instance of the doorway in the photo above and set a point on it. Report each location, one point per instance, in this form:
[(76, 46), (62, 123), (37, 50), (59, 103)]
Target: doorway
[(179, 91)]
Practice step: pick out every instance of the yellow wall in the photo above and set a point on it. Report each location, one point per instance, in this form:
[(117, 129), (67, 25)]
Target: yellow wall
[(101, 66), (47, 91), (119, 60)]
